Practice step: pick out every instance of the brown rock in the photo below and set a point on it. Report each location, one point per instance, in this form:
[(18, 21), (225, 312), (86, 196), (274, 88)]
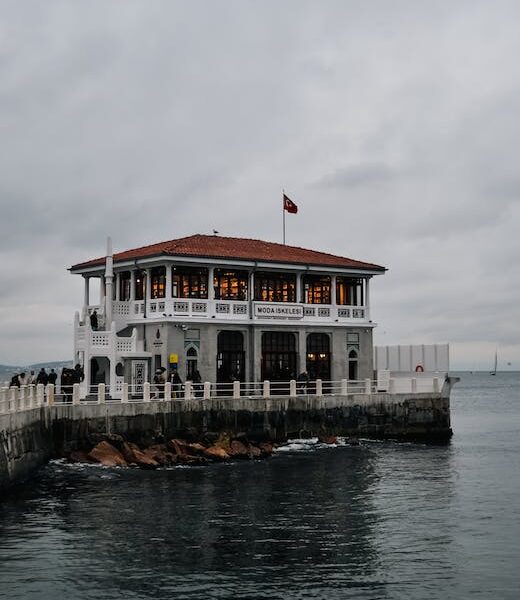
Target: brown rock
[(134, 455), (223, 441), (254, 451), (105, 454), (216, 453), (178, 446), (327, 439), (197, 448), (238, 450), (266, 448), (161, 454)]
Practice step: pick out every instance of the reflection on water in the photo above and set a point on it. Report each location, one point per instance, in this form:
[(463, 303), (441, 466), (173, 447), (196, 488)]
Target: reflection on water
[(381, 520)]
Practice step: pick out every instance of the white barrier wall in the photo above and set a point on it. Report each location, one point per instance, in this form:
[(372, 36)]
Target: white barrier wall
[(427, 358)]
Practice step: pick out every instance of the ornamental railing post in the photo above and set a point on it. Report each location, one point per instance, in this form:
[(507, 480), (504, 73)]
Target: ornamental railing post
[(267, 389), (187, 390), (50, 393), (146, 391), (344, 387), (40, 394), (236, 389), (292, 387), (368, 386), (101, 393), (167, 391), (124, 393), (75, 393), (207, 390), (319, 387)]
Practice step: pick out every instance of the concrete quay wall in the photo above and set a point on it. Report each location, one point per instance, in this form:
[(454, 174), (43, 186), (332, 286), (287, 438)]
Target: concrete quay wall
[(30, 437)]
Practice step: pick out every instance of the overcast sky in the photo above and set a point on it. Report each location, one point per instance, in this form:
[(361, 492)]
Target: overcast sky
[(394, 126)]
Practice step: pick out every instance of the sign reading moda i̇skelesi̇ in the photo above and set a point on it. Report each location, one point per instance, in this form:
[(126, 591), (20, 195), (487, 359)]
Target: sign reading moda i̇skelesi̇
[(278, 311)]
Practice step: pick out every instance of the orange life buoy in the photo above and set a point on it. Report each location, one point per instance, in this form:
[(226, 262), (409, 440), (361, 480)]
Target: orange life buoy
[(419, 369)]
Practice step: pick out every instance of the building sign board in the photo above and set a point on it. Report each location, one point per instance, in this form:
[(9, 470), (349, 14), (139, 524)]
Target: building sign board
[(278, 311), (174, 359)]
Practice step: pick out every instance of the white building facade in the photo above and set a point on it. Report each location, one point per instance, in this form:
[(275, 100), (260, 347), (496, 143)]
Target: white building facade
[(224, 309)]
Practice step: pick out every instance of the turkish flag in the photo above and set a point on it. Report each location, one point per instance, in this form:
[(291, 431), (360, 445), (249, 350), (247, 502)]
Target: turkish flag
[(289, 205)]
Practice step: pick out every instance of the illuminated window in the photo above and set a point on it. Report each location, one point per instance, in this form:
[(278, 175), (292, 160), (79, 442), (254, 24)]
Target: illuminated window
[(349, 291), (124, 285), (275, 287), (230, 285), (316, 289), (158, 282), (189, 282)]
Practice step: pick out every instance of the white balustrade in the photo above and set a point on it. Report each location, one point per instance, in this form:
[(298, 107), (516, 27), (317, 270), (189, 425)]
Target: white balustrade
[(292, 387), (319, 387)]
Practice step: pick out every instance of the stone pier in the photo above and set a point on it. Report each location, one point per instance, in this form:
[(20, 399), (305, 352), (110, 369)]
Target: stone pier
[(31, 437)]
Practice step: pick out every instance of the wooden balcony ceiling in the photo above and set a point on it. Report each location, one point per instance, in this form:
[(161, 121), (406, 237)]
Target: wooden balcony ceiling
[(212, 246)]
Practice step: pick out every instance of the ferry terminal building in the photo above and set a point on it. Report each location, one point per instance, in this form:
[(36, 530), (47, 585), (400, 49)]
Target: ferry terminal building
[(231, 308)]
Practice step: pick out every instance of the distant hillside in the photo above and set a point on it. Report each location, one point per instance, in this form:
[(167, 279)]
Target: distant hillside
[(7, 371)]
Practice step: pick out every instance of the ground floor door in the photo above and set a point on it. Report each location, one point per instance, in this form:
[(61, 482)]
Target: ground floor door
[(230, 357), (279, 356), (318, 356)]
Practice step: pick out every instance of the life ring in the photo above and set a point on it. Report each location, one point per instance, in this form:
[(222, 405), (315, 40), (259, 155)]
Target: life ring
[(419, 369)]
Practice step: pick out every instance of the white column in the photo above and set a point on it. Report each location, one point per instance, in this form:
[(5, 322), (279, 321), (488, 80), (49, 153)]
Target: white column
[(298, 287), (333, 299), (148, 285), (109, 282), (168, 290), (367, 299), (86, 296), (132, 285), (211, 289), (117, 280)]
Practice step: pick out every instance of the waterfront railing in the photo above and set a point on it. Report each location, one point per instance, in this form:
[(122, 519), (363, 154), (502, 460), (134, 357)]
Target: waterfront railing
[(16, 399)]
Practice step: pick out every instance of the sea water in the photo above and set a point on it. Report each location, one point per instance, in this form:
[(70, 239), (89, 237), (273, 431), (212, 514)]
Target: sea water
[(379, 520)]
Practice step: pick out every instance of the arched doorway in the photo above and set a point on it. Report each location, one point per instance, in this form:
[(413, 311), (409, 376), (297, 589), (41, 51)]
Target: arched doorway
[(318, 356), (230, 357), (192, 357), (99, 370), (353, 365), (279, 356)]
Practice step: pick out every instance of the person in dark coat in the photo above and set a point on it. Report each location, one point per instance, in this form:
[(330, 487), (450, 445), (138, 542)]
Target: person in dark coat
[(52, 377), (94, 320), (79, 374), (176, 384), (42, 377), (15, 381), (303, 382)]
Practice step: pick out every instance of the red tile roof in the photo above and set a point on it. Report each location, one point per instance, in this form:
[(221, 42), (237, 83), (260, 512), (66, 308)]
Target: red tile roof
[(213, 246)]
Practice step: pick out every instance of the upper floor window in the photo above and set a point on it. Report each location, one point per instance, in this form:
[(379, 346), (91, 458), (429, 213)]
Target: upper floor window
[(349, 291), (316, 289), (158, 282), (230, 285), (124, 285), (275, 287), (140, 278), (189, 282)]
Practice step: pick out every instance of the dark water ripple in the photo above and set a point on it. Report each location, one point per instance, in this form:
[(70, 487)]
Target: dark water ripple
[(381, 520)]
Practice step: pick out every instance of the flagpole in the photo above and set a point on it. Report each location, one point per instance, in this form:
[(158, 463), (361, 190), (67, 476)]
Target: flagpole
[(283, 215)]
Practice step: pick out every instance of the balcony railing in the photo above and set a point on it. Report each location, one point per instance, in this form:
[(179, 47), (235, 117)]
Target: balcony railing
[(236, 310)]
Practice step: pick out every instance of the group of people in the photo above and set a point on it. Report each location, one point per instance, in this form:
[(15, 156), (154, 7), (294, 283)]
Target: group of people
[(161, 377), (19, 379)]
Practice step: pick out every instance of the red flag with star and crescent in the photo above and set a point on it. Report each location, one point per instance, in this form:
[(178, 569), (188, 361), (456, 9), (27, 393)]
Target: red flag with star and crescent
[(289, 205)]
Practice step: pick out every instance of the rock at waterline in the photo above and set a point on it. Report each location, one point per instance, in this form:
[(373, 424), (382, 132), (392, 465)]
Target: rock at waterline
[(216, 453), (327, 439), (105, 454), (133, 455)]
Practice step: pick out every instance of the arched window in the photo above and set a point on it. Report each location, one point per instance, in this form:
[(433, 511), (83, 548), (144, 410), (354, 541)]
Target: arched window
[(353, 365), (191, 362)]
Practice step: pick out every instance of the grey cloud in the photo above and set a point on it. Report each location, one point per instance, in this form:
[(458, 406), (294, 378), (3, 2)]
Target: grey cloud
[(393, 126)]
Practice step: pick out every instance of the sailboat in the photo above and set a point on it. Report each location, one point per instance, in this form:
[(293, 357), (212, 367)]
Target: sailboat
[(494, 371)]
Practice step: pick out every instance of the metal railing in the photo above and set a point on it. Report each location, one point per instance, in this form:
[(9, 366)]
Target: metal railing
[(16, 399)]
